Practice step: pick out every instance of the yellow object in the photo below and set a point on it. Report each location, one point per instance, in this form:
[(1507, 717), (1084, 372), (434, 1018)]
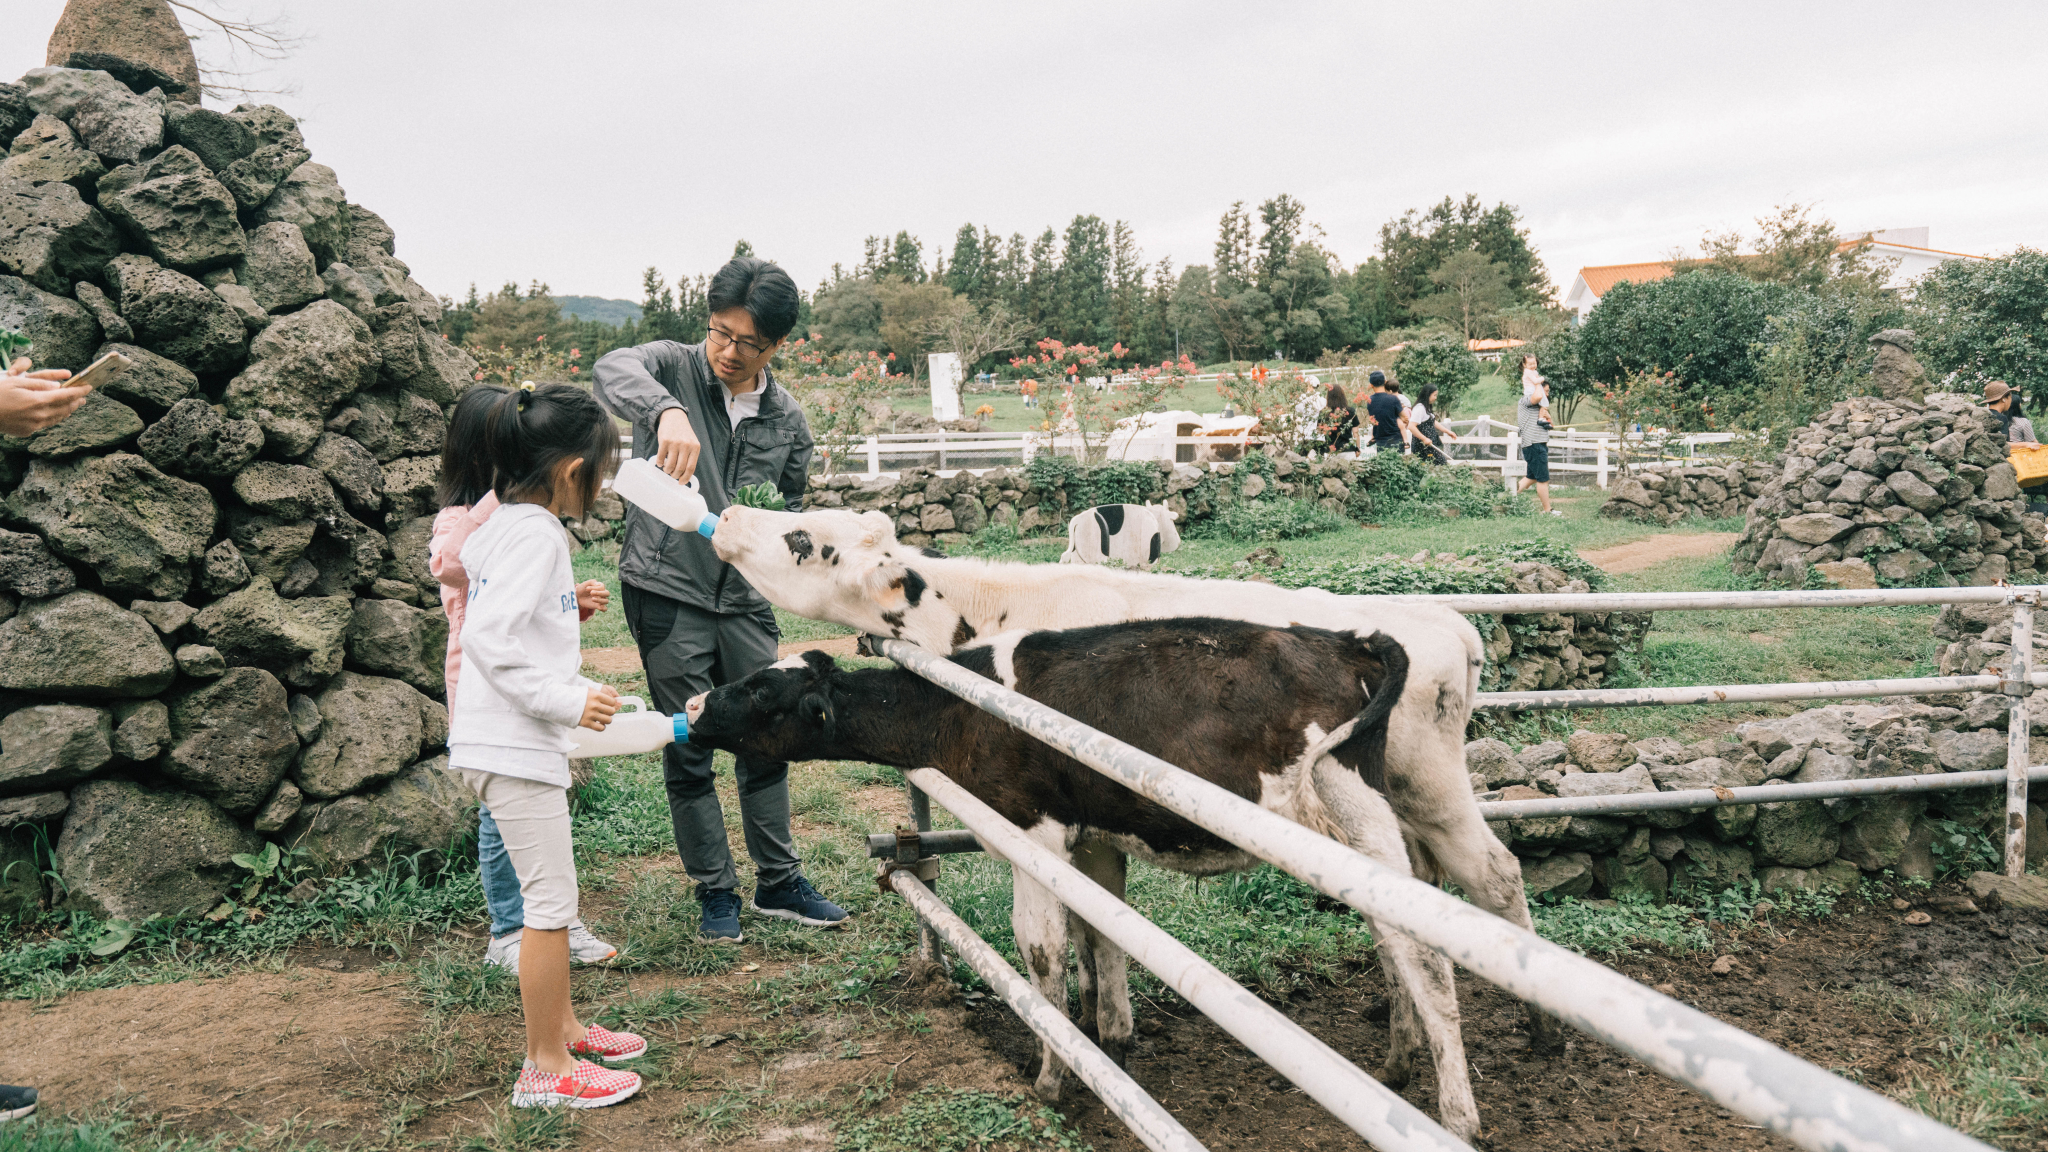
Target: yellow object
[(2030, 461)]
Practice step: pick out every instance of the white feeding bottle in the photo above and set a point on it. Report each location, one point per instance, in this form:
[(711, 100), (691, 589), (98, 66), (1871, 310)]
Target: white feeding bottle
[(632, 732), (663, 497)]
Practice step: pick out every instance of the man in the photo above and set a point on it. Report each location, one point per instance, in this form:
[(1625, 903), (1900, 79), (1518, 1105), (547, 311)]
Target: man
[(29, 403), (1532, 422), (2005, 403), (1385, 412), (714, 412)]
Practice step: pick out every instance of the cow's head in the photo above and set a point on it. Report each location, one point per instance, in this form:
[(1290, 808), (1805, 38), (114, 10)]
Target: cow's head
[(830, 564), (783, 712), (1169, 536)]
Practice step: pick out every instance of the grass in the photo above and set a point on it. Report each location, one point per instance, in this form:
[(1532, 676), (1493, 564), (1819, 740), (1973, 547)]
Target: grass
[(941, 1119), (1982, 1063)]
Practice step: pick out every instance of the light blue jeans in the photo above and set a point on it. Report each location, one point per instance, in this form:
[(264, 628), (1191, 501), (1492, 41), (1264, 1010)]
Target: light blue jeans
[(501, 883)]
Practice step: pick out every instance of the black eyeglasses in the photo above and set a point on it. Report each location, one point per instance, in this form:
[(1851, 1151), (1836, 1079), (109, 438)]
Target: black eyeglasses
[(727, 339)]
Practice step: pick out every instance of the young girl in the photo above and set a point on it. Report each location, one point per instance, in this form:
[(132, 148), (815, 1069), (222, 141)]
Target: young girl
[(466, 503), (520, 696)]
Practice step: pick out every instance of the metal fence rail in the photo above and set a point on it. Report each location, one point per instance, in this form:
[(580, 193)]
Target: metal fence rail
[(1739, 1071), (1704, 798)]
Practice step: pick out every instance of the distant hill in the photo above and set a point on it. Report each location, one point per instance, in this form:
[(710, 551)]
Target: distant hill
[(598, 308)]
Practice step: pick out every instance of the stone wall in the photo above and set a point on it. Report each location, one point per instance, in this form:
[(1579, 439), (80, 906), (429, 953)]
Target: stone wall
[(1668, 493), (1793, 845), (1898, 492), (219, 627)]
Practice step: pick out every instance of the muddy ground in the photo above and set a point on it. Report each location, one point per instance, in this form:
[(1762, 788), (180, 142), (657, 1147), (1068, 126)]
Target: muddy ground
[(333, 1046)]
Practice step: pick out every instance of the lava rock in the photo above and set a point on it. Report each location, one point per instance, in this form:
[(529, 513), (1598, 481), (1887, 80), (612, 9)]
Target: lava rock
[(277, 812), (49, 152), (35, 808), (1494, 762), (1600, 751), (27, 568), (217, 138), (232, 740), (372, 728), (1970, 751), (141, 729), (152, 383), (409, 486), (50, 237), (352, 472), (224, 570), (423, 810), (311, 197), (200, 661), (301, 640), (139, 529), (179, 212), (176, 316), (194, 440), (278, 269), (347, 288), (1633, 779), (104, 314), (1717, 866), (1562, 874), (63, 331), (166, 616), (445, 369), (271, 547), (298, 368), (254, 318), (306, 718), (289, 491), (83, 645), (53, 746), (393, 639), (1797, 835), (133, 851), (99, 423), (255, 177)]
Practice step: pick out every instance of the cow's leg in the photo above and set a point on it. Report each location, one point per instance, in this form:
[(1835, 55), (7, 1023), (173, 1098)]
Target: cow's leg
[(1105, 991), (1420, 989), (1040, 924)]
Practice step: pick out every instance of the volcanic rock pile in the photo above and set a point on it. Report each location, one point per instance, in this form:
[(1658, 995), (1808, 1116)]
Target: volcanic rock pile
[(1668, 493), (1906, 493), (219, 627)]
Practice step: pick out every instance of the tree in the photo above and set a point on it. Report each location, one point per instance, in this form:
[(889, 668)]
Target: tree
[(1127, 290), (1706, 327), (848, 317), (964, 275), (905, 260), (1233, 269), (908, 312), (1471, 289), (1441, 360), (1189, 315), (1281, 219), (1041, 282), (1987, 320), (1793, 250), (658, 317), (974, 334), (1415, 244), (1084, 289)]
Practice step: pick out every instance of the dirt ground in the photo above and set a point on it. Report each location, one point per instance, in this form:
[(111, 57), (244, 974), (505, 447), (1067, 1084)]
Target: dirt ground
[(330, 1043), (1641, 554)]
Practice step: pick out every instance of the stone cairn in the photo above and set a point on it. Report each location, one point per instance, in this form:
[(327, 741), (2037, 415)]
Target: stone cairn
[(1804, 844), (1911, 494), (219, 626), (1668, 493)]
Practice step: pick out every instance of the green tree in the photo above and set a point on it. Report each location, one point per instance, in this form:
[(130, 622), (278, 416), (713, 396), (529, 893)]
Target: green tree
[(910, 313), (1042, 282), (1281, 222), (1470, 290), (1440, 360), (965, 274), (1190, 316), (848, 316), (1084, 288), (1416, 243), (1127, 290), (658, 317), (1233, 270), (1796, 250), (1986, 320), (1709, 328), (905, 260)]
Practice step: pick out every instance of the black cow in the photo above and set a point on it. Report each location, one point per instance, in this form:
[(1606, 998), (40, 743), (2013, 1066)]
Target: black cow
[(1293, 719)]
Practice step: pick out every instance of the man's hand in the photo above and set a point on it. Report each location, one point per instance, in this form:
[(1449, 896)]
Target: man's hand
[(593, 596), (599, 707), (32, 401), (676, 445)]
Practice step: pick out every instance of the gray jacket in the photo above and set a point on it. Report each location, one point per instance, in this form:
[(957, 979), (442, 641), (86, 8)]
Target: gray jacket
[(638, 385)]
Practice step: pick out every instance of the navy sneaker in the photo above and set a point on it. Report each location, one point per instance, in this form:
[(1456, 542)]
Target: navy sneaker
[(721, 916), (797, 901), (16, 1103)]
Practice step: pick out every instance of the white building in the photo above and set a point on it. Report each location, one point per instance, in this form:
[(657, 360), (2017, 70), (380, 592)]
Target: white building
[(1907, 246)]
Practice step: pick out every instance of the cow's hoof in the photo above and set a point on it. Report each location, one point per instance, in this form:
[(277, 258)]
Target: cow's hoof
[(1118, 1050), (1547, 1035), (1048, 1088)]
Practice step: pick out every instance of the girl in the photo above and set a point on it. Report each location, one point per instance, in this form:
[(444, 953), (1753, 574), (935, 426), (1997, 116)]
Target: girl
[(520, 696), (1340, 420), (466, 502), (1429, 435)]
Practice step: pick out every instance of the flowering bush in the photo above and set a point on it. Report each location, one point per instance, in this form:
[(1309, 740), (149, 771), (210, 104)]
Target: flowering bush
[(1095, 414), (535, 361), (835, 389), (1286, 402)]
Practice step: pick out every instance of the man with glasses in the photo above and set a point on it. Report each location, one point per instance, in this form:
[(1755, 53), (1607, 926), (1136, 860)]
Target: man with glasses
[(713, 411)]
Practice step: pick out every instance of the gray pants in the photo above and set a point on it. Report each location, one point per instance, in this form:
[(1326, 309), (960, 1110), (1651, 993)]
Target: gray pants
[(685, 651)]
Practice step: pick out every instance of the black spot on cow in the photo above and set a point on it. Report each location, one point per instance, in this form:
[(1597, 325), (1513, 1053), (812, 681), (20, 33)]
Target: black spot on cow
[(895, 622), (963, 633), (827, 551), (799, 543), (1154, 549), (1001, 619), (932, 554), (1112, 517), (1102, 527), (912, 584)]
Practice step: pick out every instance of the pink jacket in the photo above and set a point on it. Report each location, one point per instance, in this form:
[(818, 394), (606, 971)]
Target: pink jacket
[(452, 526)]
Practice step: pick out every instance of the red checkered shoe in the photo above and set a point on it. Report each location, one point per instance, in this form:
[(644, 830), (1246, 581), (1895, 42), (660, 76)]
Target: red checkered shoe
[(586, 1086), (606, 1044)]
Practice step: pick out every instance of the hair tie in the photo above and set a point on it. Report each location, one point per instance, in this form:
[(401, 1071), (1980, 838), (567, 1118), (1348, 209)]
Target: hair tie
[(525, 395)]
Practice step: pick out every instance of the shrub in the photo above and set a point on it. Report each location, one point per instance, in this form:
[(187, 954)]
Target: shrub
[(1268, 520), (1705, 326), (1988, 320), (1444, 361), (1394, 486)]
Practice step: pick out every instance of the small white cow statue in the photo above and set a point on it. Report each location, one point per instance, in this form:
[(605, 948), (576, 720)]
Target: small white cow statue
[(1136, 534)]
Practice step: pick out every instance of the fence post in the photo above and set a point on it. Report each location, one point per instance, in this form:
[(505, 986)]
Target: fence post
[(1507, 470), (1602, 462), (921, 819), (874, 447), (2018, 745)]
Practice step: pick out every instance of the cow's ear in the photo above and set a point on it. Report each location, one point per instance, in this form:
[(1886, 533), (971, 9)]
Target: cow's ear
[(818, 706), (876, 527), (821, 663)]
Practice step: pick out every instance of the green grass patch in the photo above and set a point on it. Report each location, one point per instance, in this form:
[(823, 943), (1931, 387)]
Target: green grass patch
[(1982, 1059), (940, 1119)]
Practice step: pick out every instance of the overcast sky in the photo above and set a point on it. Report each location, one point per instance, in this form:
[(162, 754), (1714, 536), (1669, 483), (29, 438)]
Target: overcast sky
[(578, 143)]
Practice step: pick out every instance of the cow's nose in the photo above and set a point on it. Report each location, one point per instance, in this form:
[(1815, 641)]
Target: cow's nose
[(695, 707)]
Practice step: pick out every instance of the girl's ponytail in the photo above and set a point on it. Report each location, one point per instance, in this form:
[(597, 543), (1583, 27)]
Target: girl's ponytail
[(529, 431)]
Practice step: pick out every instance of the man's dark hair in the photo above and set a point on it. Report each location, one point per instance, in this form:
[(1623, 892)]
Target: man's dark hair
[(762, 288)]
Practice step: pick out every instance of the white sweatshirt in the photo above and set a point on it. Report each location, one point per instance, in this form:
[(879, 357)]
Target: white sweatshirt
[(521, 693)]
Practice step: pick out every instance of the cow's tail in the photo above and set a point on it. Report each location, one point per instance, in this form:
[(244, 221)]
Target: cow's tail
[(1366, 744)]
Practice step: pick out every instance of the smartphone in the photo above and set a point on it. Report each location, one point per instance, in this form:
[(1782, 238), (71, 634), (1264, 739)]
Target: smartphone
[(102, 370)]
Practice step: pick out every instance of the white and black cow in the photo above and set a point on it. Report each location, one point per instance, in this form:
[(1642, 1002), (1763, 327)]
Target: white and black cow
[(1135, 534), (1293, 719), (848, 567)]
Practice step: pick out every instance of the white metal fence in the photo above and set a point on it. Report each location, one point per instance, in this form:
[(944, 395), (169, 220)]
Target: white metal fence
[(1751, 1077)]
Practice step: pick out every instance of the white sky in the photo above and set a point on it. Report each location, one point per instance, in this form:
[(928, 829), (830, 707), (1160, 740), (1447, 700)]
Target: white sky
[(578, 143)]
